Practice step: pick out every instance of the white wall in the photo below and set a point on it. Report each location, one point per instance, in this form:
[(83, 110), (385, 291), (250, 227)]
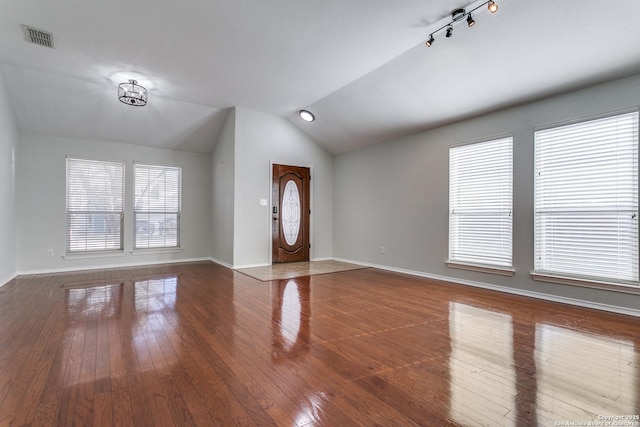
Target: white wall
[(8, 142), (41, 195), (395, 194), (222, 184), (261, 139)]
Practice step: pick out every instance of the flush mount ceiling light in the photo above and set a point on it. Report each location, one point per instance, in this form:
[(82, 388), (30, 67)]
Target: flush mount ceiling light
[(458, 15), (307, 116), (132, 94)]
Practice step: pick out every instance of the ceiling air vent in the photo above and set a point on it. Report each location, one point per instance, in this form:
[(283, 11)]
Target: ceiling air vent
[(34, 35)]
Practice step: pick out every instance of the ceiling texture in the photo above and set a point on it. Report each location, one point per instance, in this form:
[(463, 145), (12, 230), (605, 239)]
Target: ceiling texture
[(361, 66)]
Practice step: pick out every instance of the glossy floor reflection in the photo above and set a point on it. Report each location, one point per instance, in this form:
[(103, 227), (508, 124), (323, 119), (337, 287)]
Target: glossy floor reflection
[(198, 344), (582, 375), (481, 366)]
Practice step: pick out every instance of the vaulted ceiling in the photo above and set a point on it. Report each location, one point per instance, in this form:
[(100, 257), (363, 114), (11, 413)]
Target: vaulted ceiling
[(360, 66)]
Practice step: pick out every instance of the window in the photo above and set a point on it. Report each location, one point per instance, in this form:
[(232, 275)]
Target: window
[(586, 200), (480, 203), (157, 206), (94, 205)]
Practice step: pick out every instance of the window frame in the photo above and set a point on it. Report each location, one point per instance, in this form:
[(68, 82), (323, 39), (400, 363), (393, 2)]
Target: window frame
[(483, 265), (177, 211), (591, 281), (71, 209)]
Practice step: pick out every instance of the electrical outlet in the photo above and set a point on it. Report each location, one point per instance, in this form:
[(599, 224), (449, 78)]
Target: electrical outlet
[(382, 249), (49, 252)]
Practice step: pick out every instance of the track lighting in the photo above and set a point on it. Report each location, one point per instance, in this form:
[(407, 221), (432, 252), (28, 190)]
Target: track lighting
[(458, 15), (430, 41), (449, 31), (470, 21)]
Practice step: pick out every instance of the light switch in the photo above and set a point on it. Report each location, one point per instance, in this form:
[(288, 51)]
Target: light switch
[(264, 202)]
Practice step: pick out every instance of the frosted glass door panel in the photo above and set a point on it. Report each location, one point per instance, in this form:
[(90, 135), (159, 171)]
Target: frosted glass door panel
[(291, 212)]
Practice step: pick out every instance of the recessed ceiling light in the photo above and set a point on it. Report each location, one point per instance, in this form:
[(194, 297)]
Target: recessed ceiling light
[(307, 116)]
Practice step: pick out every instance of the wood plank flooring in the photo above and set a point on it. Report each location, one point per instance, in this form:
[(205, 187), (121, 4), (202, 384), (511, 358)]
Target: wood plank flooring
[(201, 345)]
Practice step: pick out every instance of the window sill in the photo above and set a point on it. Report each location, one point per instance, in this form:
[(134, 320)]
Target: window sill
[(502, 271), (88, 255), (156, 251), (594, 284)]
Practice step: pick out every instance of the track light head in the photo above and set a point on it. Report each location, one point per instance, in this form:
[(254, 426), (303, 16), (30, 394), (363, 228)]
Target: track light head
[(449, 32), (493, 8), (430, 41), (470, 21)]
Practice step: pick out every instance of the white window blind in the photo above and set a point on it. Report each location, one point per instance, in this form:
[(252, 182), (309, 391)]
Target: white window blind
[(586, 200), (480, 203), (157, 206), (94, 205)]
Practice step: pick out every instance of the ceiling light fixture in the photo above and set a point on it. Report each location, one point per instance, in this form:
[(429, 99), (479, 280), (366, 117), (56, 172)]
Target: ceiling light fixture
[(132, 94), (470, 21), (449, 31), (458, 15), (430, 41), (307, 116)]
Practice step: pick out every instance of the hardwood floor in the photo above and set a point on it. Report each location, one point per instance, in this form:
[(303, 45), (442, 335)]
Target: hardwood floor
[(198, 344)]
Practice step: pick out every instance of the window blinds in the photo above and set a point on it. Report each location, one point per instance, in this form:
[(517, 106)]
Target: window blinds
[(94, 205), (157, 206), (586, 200), (480, 203)]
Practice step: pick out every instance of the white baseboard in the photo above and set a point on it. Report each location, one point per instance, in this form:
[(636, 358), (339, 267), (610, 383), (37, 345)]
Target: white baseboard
[(521, 292), (237, 267), (8, 279), (222, 263), (103, 267)]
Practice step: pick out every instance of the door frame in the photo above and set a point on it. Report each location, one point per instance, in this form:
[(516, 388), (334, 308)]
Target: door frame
[(269, 213)]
